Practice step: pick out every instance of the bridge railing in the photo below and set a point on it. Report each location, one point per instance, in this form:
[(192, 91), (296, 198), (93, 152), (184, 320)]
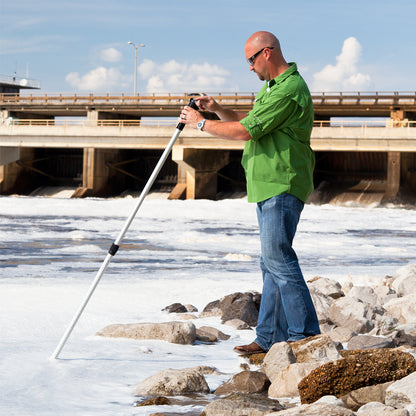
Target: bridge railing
[(154, 98), (155, 122), (319, 98)]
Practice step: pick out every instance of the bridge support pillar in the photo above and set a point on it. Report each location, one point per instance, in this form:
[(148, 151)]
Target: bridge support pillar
[(96, 174), (393, 175), (14, 178), (201, 167)]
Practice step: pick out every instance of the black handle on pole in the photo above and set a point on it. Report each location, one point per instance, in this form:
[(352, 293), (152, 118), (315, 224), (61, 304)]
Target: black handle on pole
[(191, 104)]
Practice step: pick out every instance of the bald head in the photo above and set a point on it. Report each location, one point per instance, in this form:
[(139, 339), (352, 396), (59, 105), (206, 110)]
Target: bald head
[(262, 39), (275, 63)]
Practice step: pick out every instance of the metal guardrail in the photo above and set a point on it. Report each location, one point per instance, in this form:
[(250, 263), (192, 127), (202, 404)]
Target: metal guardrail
[(19, 82), (321, 98), (151, 122), (154, 122)]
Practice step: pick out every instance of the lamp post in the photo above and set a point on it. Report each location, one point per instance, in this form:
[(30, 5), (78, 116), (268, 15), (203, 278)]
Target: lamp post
[(135, 61)]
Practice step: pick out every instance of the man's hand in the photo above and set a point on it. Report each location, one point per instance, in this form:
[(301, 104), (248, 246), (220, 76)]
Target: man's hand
[(190, 117), (207, 103)]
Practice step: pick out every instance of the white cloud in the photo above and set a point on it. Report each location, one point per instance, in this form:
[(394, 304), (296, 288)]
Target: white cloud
[(100, 79), (110, 55), (344, 76), (173, 76)]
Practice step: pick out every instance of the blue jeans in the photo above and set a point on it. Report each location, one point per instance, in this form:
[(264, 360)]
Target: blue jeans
[(286, 311)]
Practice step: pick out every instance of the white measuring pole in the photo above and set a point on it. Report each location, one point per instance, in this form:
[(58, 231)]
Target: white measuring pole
[(116, 244)]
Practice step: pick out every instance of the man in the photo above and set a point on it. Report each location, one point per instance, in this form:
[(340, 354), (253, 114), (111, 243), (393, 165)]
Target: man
[(279, 163)]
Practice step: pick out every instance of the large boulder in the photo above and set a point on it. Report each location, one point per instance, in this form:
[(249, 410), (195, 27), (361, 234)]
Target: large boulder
[(245, 382), (172, 383), (357, 398), (286, 381), (352, 314), (316, 409), (238, 404), (319, 348), (328, 287), (403, 309), (380, 409), (364, 294), (175, 332), (405, 281), (402, 393), (322, 304), (243, 306), (366, 342), (278, 358), (355, 370)]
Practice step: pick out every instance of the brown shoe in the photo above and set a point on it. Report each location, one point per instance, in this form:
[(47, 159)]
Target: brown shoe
[(252, 348)]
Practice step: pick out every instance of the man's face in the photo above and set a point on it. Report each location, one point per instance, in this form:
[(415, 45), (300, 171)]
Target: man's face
[(255, 59)]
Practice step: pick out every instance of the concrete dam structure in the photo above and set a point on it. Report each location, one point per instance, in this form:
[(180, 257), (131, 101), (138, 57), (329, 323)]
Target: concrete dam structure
[(104, 145)]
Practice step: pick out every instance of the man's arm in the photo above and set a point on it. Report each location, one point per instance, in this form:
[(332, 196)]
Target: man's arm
[(228, 128)]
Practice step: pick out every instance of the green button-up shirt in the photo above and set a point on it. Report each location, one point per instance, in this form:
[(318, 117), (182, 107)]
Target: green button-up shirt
[(278, 158)]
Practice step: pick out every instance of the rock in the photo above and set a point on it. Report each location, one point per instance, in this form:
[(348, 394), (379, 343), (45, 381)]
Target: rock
[(237, 324), (175, 308), (364, 294), (355, 370), (239, 306), (364, 342), (216, 332), (384, 324), (319, 348), (243, 306), (346, 287), (357, 398), (352, 314), (331, 400), (245, 382), (403, 309), (384, 294), (205, 369), (341, 334), (212, 309), (405, 335), (328, 287), (277, 358), (191, 308), (322, 303), (175, 332), (173, 382), (411, 409), (402, 392), (204, 336), (237, 404), (316, 409), (405, 281), (285, 382), (380, 409), (154, 401)]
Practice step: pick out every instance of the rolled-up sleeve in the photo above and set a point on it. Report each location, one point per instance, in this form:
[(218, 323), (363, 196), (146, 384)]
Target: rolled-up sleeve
[(269, 115)]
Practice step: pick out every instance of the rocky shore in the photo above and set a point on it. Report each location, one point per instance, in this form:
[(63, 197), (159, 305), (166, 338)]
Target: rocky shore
[(363, 363)]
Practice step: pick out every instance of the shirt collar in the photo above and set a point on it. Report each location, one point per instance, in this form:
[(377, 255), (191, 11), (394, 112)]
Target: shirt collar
[(280, 78)]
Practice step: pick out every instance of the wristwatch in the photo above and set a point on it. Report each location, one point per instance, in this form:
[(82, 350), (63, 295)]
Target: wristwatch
[(200, 124)]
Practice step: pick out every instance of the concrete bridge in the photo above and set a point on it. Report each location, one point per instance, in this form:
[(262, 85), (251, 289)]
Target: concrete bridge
[(113, 124)]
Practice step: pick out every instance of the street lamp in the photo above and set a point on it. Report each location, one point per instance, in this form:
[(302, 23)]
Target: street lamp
[(135, 61)]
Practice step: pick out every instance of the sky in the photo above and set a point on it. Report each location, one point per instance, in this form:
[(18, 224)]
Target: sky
[(194, 46)]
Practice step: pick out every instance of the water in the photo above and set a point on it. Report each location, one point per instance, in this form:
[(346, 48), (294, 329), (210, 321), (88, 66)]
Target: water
[(175, 251)]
